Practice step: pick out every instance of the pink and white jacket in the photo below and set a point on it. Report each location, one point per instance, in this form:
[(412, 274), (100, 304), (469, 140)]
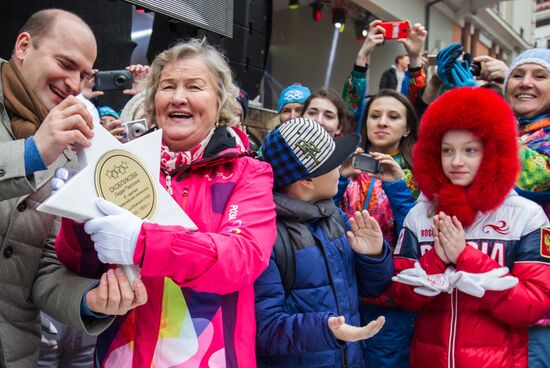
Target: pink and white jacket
[(200, 311)]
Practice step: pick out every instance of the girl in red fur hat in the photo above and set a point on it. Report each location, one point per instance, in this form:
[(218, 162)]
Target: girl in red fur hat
[(473, 257)]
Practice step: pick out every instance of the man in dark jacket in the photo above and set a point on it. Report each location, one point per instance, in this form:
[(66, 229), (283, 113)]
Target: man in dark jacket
[(312, 321), (393, 77)]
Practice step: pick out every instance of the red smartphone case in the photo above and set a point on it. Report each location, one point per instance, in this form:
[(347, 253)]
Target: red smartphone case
[(395, 30)]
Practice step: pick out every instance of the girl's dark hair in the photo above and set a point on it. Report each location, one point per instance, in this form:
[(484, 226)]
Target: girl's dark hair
[(334, 97), (406, 144)]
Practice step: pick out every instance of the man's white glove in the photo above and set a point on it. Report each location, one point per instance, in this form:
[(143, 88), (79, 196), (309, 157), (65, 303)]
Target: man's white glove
[(476, 284), (428, 285), (115, 234)]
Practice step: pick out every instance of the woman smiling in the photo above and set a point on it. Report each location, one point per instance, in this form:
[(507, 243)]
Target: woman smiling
[(200, 311)]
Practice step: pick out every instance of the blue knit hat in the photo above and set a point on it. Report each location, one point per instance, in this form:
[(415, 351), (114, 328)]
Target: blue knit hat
[(108, 111), (295, 93), (301, 148), (531, 56)]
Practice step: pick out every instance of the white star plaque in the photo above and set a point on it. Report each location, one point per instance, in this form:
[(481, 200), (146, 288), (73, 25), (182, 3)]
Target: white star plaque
[(125, 174)]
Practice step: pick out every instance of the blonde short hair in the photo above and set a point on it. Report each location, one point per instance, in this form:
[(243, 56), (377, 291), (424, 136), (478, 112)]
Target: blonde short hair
[(213, 59)]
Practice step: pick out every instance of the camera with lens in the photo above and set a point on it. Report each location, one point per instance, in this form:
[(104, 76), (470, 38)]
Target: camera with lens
[(134, 129), (112, 80), (475, 68)]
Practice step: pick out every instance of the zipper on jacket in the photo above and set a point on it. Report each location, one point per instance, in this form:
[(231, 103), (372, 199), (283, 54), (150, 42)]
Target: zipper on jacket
[(184, 196), (319, 243), (452, 329), (345, 357)]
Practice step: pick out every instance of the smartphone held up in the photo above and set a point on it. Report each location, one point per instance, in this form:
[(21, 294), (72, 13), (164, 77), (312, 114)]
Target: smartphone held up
[(396, 30), (367, 163)]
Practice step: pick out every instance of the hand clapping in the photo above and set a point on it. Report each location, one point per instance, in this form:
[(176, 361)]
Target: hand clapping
[(449, 237), (365, 236)]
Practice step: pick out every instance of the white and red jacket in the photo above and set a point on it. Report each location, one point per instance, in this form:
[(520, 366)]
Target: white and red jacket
[(459, 330)]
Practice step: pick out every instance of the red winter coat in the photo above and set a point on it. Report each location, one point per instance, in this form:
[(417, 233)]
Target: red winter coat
[(460, 330), (501, 229)]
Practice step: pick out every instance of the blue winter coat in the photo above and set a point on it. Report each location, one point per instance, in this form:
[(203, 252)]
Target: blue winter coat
[(292, 331)]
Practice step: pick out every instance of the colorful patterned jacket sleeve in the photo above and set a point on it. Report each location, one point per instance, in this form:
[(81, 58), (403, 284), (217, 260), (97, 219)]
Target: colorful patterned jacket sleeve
[(535, 173), (413, 83), (354, 90)]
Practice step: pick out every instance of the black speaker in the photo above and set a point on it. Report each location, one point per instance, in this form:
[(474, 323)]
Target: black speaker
[(246, 51)]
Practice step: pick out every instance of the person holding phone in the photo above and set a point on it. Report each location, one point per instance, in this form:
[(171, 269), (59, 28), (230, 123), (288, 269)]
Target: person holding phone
[(355, 87), (527, 90), (389, 132), (467, 227), (388, 126)]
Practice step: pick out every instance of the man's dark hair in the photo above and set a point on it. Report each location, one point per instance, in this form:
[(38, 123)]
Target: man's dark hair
[(399, 57), (40, 23)]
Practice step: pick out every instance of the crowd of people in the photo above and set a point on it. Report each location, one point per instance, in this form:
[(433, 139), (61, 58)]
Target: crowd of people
[(439, 257)]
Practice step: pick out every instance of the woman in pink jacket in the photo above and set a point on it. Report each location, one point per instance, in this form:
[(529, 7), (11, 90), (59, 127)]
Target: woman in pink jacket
[(200, 311)]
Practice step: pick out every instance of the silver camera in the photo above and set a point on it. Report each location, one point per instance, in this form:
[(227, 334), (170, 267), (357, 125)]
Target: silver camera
[(134, 129)]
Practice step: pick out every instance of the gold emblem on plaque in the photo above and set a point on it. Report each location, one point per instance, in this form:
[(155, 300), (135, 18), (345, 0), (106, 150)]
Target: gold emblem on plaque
[(120, 177)]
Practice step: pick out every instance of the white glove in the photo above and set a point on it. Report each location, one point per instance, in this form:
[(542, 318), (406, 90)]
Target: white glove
[(114, 235), (62, 175), (428, 285), (476, 284)]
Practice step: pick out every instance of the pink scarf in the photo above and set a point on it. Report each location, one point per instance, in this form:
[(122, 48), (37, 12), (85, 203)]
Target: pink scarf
[(170, 160)]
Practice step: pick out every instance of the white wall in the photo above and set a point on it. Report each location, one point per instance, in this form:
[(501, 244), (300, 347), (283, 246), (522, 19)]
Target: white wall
[(542, 34), (519, 14), (523, 17)]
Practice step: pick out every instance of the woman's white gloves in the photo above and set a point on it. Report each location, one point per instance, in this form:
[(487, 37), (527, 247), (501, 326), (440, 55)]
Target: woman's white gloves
[(115, 234), (428, 285), (474, 284)]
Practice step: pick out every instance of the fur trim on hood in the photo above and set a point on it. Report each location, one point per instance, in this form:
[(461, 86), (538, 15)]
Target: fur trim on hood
[(486, 115)]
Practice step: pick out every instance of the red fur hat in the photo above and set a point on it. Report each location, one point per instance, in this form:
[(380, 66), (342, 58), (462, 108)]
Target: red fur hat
[(487, 116)]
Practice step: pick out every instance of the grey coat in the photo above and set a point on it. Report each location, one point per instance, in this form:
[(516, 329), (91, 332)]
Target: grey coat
[(31, 277)]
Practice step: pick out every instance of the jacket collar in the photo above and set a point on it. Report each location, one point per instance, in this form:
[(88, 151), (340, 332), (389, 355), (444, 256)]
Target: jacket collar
[(300, 211), (225, 145)]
